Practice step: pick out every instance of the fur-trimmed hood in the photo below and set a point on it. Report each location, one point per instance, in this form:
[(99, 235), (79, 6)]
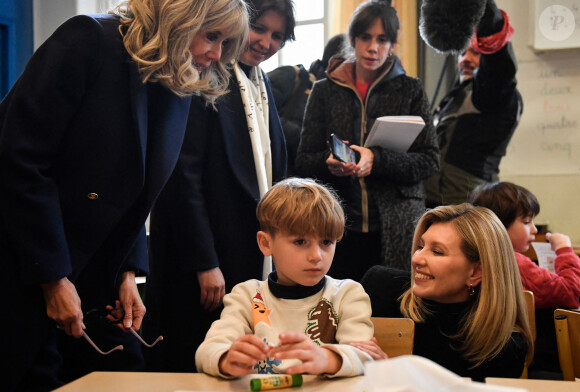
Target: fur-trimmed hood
[(341, 70)]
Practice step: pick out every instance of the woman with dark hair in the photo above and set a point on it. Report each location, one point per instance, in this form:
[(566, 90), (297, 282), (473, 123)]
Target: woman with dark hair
[(91, 131), (383, 192), (203, 227)]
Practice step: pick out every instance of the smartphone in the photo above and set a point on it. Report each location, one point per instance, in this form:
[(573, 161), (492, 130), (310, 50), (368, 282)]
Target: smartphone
[(340, 150)]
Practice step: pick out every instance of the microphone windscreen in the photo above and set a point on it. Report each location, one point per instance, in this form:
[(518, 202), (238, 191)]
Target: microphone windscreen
[(447, 25)]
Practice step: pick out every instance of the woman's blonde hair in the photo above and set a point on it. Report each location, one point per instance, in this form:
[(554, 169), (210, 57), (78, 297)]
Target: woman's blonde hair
[(499, 307), (157, 35), (301, 206)]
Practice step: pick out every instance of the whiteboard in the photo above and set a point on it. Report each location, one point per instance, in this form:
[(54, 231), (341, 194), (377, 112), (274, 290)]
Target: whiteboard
[(547, 139)]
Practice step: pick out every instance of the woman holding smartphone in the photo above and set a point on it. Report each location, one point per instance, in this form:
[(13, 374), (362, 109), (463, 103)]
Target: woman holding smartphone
[(203, 228), (383, 191)]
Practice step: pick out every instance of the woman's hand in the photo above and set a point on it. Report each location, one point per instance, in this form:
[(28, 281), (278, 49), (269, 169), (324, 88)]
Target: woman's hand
[(63, 305), (371, 347), (365, 164), (213, 288), (339, 168), (130, 301)]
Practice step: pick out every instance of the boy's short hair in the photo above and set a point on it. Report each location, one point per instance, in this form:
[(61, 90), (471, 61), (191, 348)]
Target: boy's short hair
[(507, 200), (301, 206)]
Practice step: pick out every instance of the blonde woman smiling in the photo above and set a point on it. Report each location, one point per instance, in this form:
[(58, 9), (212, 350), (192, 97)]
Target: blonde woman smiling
[(464, 294)]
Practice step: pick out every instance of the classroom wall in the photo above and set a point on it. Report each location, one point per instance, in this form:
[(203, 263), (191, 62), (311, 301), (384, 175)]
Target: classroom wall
[(544, 154)]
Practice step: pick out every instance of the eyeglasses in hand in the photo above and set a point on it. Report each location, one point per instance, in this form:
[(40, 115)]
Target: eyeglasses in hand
[(113, 316)]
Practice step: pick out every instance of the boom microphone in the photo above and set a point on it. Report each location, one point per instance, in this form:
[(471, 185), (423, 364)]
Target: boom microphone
[(447, 25)]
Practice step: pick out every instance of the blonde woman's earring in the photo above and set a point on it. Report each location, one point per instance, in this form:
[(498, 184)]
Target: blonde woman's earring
[(471, 290)]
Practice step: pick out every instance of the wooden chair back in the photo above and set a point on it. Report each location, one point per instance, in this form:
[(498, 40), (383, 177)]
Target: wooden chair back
[(529, 296), (531, 306), (395, 335), (567, 323)]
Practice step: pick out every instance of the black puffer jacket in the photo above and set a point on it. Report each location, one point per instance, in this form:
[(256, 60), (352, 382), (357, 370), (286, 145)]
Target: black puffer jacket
[(392, 195)]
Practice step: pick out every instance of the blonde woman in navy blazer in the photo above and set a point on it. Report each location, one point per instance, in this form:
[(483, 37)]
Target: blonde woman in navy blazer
[(89, 135)]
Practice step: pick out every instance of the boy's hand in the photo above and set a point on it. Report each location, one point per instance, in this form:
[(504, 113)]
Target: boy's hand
[(371, 347), (558, 241), (243, 355), (315, 359)]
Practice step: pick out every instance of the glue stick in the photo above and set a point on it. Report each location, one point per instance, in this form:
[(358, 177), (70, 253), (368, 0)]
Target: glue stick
[(276, 381)]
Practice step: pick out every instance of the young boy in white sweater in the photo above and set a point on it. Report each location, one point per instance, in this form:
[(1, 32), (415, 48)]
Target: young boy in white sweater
[(299, 320)]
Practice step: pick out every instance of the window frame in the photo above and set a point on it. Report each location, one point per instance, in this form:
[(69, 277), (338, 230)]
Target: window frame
[(324, 20)]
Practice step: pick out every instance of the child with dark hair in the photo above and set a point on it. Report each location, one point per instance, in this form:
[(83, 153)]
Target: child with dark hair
[(298, 320), (516, 207)]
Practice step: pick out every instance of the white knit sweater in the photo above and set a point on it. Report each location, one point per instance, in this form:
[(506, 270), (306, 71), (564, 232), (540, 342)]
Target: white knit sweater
[(335, 316)]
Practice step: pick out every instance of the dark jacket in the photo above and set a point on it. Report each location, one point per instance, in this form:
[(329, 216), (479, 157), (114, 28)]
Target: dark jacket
[(476, 140), (291, 86), (434, 337), (394, 189), (206, 218), (475, 122), (81, 163)]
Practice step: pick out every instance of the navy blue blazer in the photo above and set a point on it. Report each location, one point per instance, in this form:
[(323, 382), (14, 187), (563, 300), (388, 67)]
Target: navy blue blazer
[(73, 152), (206, 216)]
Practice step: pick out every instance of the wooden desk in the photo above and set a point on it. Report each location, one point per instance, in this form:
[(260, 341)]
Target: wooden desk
[(536, 385), (169, 382)]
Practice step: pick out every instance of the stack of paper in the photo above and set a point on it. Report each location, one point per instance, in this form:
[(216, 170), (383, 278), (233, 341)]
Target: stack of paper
[(395, 133)]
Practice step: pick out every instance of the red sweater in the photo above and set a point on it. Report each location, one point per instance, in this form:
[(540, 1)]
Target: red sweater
[(561, 289)]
